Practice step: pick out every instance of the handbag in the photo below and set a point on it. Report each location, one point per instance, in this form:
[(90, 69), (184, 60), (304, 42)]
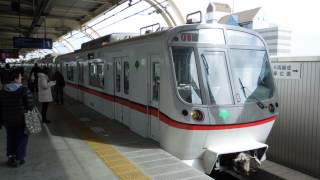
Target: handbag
[(33, 121)]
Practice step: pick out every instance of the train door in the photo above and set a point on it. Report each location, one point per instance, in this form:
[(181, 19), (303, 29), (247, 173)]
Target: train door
[(154, 92), (126, 90), (118, 79), (80, 67)]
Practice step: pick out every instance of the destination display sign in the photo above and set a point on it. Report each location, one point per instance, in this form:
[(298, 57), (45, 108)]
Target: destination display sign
[(39, 43)]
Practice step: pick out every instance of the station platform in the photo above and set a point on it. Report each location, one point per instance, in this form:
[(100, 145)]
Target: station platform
[(81, 144)]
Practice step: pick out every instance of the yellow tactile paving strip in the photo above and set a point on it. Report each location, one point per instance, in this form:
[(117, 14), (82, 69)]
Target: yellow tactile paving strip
[(118, 163)]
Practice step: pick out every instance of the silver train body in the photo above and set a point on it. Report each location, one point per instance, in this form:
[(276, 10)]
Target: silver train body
[(204, 92)]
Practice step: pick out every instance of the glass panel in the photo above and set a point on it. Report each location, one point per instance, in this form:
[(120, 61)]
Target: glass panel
[(126, 77), (155, 81), (252, 74), (214, 36), (96, 75), (242, 38), (118, 76), (91, 73), (217, 77), (81, 72), (100, 69), (69, 72), (186, 74)]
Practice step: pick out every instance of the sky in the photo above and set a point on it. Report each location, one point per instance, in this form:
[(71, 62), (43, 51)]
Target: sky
[(302, 17)]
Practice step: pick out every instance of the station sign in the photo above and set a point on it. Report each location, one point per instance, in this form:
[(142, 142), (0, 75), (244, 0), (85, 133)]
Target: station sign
[(38, 43), (286, 70)]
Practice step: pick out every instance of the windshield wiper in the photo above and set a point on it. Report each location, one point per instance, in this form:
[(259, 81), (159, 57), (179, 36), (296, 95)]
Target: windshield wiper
[(242, 88), (259, 102), (205, 63)]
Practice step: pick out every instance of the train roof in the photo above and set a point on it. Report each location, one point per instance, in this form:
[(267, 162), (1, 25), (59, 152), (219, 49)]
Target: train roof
[(117, 38)]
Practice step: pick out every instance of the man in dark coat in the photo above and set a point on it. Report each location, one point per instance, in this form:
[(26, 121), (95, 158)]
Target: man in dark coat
[(5, 74), (60, 83), (33, 78), (15, 100)]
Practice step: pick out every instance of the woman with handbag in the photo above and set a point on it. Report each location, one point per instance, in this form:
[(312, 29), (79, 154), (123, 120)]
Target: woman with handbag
[(44, 92), (15, 100)]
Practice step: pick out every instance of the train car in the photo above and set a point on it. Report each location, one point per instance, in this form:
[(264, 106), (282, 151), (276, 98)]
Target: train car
[(205, 92)]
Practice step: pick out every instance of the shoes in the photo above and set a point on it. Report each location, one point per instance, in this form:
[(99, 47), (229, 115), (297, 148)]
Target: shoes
[(12, 162), (21, 162)]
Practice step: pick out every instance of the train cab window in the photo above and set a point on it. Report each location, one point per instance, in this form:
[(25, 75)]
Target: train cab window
[(252, 74), (118, 76), (96, 74), (217, 79), (186, 74), (155, 81), (69, 72), (244, 39), (126, 77)]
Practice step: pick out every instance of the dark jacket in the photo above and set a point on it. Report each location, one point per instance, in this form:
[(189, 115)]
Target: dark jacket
[(14, 102), (5, 76), (58, 77)]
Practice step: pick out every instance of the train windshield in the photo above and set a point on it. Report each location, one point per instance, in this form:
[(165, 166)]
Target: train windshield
[(186, 74), (251, 74), (217, 79)]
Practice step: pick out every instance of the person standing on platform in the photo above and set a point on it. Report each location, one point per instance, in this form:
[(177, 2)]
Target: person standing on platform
[(60, 83), (15, 100), (5, 74), (33, 78), (44, 92)]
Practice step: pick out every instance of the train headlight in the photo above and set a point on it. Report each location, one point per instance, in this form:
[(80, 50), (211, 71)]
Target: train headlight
[(197, 115)]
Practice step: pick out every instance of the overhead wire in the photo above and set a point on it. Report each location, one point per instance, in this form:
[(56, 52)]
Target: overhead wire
[(114, 14), (127, 17), (131, 15)]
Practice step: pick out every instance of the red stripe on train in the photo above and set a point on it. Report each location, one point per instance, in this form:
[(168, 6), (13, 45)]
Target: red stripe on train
[(164, 118)]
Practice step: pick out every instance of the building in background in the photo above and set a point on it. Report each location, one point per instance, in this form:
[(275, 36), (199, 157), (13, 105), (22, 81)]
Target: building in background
[(277, 39)]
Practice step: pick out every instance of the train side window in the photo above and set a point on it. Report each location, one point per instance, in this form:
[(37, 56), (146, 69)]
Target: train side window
[(96, 75), (69, 72), (126, 77), (155, 81), (81, 72), (118, 76), (100, 75), (92, 72)]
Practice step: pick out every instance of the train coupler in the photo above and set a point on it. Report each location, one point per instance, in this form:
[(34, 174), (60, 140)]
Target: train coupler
[(245, 163)]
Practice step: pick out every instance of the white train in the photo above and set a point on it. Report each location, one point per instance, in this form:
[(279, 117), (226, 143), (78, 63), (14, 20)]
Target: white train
[(205, 92)]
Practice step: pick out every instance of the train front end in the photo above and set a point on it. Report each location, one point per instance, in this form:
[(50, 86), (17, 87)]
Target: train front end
[(227, 99)]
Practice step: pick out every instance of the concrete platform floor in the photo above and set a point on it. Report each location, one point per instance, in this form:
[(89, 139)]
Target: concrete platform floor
[(62, 156)]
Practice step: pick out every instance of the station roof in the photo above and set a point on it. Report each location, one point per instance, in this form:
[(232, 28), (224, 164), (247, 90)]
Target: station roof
[(28, 18)]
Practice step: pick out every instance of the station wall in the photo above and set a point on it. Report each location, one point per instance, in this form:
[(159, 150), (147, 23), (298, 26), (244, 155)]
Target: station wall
[(295, 138)]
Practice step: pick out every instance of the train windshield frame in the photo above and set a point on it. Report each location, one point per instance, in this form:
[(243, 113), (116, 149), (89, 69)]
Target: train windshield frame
[(234, 69)]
